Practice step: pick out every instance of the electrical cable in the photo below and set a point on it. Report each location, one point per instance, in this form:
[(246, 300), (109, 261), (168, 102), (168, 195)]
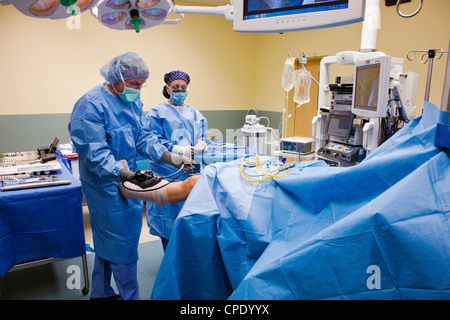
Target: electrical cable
[(395, 122)]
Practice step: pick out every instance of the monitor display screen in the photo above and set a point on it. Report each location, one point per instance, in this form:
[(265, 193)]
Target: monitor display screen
[(340, 124), (371, 86), (257, 9), (367, 86), (265, 16)]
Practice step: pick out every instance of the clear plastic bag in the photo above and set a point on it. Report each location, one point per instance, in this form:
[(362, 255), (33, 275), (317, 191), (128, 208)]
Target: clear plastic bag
[(302, 86), (287, 81)]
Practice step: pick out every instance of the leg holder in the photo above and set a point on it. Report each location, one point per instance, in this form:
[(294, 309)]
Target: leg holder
[(131, 191)]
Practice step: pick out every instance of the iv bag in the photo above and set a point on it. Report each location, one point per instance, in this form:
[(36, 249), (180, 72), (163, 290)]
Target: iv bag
[(287, 81), (302, 85)]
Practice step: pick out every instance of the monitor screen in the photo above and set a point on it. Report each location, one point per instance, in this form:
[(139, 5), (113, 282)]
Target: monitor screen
[(256, 9), (371, 87), (339, 124), (366, 92), (294, 15)]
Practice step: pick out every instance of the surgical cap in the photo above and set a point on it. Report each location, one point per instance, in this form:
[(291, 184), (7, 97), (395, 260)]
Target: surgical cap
[(176, 75), (172, 76), (128, 65)]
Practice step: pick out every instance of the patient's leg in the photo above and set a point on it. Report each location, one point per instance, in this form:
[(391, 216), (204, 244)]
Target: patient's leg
[(179, 191)]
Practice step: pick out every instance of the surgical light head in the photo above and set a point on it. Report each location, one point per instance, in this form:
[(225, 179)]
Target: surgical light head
[(128, 65), (132, 14), (51, 9), (118, 14)]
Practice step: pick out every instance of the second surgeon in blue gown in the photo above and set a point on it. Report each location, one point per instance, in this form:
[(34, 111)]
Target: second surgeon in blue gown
[(182, 129)]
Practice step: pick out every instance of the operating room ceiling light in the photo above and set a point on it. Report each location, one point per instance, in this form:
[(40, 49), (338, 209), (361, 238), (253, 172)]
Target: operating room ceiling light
[(132, 14), (117, 14), (52, 9)]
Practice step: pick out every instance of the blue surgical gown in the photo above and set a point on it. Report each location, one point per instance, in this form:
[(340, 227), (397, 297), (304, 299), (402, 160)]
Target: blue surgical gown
[(183, 126), (104, 129)]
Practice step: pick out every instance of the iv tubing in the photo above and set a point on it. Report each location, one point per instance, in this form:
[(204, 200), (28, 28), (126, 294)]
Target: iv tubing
[(257, 162)]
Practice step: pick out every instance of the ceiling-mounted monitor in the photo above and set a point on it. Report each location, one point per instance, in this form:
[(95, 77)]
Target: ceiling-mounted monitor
[(264, 16)]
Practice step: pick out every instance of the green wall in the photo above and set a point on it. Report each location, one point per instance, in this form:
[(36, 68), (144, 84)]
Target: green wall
[(28, 132)]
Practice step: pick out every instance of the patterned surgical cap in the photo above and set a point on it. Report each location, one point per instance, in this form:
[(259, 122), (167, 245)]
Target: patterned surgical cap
[(176, 75)]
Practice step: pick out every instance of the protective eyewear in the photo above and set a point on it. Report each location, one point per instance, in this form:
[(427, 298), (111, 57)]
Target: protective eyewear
[(179, 88)]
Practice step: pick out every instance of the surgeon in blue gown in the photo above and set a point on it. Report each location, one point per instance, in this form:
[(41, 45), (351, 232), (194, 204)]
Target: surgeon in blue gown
[(108, 126), (182, 129)]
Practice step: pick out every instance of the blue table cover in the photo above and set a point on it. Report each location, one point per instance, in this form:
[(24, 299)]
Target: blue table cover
[(378, 230), (44, 222)]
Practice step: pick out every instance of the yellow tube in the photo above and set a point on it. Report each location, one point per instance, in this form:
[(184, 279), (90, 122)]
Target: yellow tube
[(257, 162)]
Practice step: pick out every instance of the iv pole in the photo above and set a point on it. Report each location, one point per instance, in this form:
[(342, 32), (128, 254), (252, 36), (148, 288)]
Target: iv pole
[(443, 126), (430, 56)]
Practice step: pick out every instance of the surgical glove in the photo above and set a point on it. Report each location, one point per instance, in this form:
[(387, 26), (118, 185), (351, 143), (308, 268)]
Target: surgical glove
[(186, 151), (148, 183), (144, 179), (125, 173), (178, 160), (200, 146)]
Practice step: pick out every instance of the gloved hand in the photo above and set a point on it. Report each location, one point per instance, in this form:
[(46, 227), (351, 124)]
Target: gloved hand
[(177, 160), (142, 178), (145, 179), (186, 151), (200, 146), (125, 173)]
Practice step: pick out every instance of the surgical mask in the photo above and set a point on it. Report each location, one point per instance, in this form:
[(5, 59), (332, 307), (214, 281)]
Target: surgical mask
[(178, 97), (130, 94)]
